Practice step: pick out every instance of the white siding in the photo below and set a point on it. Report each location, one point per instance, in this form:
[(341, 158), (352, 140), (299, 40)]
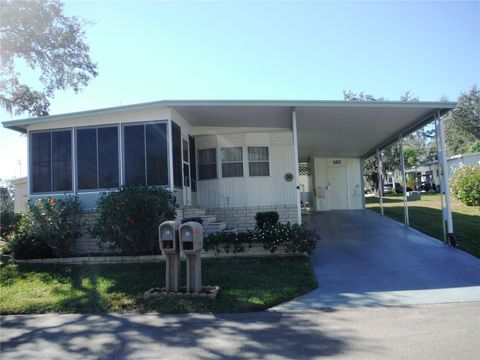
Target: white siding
[(246, 190), (20, 194)]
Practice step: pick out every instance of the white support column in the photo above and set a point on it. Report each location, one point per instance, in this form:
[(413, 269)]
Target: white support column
[(447, 214), (295, 154), (437, 131), (170, 156), (404, 179), (380, 181)]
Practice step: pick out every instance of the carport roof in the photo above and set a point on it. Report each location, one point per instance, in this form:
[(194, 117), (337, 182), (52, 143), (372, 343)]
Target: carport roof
[(325, 128)]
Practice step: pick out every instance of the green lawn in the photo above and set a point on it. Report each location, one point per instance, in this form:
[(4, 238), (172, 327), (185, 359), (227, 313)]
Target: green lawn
[(246, 284), (426, 216)]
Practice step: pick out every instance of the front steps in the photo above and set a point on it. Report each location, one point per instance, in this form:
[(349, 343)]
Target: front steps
[(210, 223)]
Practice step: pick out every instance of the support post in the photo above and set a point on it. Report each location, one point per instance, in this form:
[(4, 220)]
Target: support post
[(437, 131), (380, 181), (447, 214), (170, 156), (404, 180), (295, 154)]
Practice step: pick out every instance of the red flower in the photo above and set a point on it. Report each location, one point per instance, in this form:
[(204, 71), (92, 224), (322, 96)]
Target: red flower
[(53, 201), (132, 221)]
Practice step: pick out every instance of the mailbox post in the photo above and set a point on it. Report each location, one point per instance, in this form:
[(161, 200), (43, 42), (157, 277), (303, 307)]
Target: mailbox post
[(168, 236), (191, 243)]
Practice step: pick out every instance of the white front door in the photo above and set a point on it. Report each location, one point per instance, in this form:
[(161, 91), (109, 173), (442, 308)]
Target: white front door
[(187, 185), (337, 187)]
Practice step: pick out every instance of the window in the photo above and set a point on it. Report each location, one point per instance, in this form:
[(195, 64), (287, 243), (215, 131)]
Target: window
[(146, 154), (207, 164), (193, 165), (177, 155), (232, 162), (258, 161), (51, 161), (97, 158)]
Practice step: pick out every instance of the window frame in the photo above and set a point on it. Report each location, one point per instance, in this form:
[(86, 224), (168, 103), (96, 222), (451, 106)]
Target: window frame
[(258, 161), (30, 162), (199, 164), (242, 161), (99, 189), (122, 154)]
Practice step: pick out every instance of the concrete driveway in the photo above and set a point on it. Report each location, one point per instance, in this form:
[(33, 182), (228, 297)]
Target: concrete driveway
[(368, 260)]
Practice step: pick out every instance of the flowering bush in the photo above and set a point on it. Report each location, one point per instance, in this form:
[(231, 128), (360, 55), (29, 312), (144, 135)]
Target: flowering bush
[(296, 238), (49, 228), (228, 241), (465, 185), (128, 219)]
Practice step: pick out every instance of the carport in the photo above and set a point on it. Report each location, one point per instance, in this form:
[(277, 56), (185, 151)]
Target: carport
[(335, 137)]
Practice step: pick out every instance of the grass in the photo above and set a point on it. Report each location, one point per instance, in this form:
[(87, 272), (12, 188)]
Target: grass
[(246, 284), (426, 216)]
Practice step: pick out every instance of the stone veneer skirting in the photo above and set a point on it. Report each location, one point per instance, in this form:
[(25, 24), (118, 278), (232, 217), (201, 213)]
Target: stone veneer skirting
[(243, 218)]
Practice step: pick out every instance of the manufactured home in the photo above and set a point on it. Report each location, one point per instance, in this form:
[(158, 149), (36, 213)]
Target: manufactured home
[(228, 158)]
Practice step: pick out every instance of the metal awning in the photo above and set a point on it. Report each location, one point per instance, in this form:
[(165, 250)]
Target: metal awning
[(325, 128)]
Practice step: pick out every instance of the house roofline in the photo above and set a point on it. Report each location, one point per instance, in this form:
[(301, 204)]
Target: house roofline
[(19, 125)]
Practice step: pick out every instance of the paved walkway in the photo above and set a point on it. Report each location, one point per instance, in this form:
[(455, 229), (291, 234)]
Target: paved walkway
[(368, 260)]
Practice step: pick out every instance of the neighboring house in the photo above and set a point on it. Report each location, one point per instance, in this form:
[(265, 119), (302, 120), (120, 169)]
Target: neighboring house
[(231, 158), (429, 172), (20, 191)]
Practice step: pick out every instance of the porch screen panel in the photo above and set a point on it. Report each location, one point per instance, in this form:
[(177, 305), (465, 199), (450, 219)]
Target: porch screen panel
[(177, 155), (87, 159), (41, 162), (62, 160), (232, 162), (108, 157), (156, 146), (207, 164), (134, 136), (193, 163), (258, 161)]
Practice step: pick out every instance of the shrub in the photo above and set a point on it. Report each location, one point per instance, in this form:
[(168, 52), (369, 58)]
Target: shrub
[(226, 241), (128, 219), (26, 246), (266, 217), (296, 238), (48, 229), (8, 223), (465, 184)]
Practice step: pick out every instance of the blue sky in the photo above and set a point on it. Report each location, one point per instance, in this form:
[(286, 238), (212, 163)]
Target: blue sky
[(159, 50)]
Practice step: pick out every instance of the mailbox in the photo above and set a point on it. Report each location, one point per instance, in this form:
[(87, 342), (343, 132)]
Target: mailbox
[(191, 243), (168, 238), (191, 237)]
